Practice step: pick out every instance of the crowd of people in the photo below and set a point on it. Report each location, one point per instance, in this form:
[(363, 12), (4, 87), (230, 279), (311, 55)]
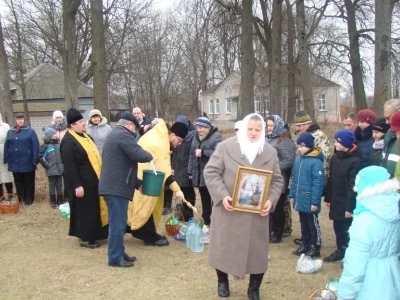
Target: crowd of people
[(101, 170)]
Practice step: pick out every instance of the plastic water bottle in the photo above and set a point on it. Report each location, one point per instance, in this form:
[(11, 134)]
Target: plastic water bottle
[(196, 235), (189, 229)]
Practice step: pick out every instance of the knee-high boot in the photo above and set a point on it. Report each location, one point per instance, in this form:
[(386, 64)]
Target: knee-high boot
[(223, 284), (60, 199), (254, 286)]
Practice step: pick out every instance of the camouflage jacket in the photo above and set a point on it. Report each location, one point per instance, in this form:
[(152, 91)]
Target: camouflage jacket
[(321, 140)]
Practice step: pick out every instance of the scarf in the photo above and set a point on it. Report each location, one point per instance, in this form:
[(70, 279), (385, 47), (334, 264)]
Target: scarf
[(59, 126), (379, 144), (247, 148), (279, 127), (95, 160), (18, 128)]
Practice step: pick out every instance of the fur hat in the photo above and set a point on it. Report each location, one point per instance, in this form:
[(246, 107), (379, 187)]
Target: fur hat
[(395, 122), (126, 115), (369, 177), (49, 132), (94, 112), (345, 137), (203, 122), (306, 140), (301, 117), (366, 116), (179, 129), (380, 125), (58, 113), (73, 115)]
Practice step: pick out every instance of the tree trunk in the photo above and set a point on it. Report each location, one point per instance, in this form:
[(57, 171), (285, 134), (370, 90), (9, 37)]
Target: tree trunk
[(291, 104), (383, 46), (100, 91), (246, 94), (355, 58), (275, 77), (309, 106), (5, 94), (70, 8)]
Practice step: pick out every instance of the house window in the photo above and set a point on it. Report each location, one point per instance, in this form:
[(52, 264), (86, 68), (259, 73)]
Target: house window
[(211, 107), (217, 106), (257, 104), (228, 106), (321, 102), (266, 104)]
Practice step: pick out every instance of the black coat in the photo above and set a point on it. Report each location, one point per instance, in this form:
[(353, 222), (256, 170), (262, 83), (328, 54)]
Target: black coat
[(365, 142), (180, 161), (344, 167), (375, 159)]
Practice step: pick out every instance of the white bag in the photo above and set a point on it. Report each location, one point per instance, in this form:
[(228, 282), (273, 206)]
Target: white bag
[(307, 265)]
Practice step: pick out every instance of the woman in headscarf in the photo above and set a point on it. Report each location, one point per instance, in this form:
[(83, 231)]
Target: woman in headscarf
[(279, 138), (239, 240), (98, 128), (59, 123), (82, 166), (21, 151)]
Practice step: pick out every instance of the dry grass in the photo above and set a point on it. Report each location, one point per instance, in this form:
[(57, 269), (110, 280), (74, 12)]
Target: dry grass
[(40, 261)]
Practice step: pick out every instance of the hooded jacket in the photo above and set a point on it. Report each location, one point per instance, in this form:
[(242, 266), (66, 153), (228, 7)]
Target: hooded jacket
[(344, 167), (98, 132), (371, 264), (307, 181), (50, 157), (365, 142)]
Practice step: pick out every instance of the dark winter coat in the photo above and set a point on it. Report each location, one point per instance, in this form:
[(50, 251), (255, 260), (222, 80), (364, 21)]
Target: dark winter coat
[(307, 181), (339, 190), (286, 150), (21, 150), (121, 155), (180, 161), (390, 153), (50, 157), (197, 164), (375, 158), (145, 121), (365, 142)]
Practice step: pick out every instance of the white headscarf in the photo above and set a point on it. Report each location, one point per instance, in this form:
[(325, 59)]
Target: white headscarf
[(249, 149)]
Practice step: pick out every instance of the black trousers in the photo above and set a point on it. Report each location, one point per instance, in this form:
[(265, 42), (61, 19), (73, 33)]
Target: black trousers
[(147, 232), (341, 228), (25, 185), (55, 185), (9, 188), (310, 230), (206, 204), (278, 216)]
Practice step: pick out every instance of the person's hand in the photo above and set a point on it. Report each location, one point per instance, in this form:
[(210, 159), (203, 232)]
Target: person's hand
[(291, 201), (146, 128), (190, 176), (314, 208), (180, 195), (173, 172), (79, 192), (198, 152), (267, 208), (348, 215), (226, 202), (328, 205)]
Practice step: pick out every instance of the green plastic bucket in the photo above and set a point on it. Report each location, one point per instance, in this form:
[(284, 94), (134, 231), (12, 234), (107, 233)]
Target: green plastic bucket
[(152, 183)]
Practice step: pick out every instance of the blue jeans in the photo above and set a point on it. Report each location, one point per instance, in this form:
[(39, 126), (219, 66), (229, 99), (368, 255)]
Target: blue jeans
[(117, 220)]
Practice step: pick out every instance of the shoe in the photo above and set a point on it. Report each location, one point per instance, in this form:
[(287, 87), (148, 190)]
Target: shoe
[(275, 238), (166, 211), (297, 241), (129, 258), (335, 256), (286, 234), (160, 243), (223, 284), (313, 251), (253, 292), (123, 264), (90, 245), (303, 248)]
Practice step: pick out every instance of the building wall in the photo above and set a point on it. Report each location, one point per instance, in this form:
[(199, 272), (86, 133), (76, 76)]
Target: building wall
[(38, 122)]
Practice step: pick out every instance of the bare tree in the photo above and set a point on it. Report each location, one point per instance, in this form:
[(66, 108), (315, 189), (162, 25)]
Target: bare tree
[(291, 109), (5, 95)]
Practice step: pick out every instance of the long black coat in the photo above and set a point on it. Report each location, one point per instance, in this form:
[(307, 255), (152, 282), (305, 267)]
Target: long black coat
[(344, 167), (85, 222), (180, 161)]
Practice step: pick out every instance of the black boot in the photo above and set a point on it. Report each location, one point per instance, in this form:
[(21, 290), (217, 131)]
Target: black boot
[(335, 256), (60, 199), (276, 236), (303, 248), (53, 201), (223, 284), (313, 251), (253, 291)]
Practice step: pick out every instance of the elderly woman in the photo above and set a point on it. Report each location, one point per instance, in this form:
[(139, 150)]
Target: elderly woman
[(59, 123), (98, 128), (21, 150), (279, 138), (239, 240), (82, 166)]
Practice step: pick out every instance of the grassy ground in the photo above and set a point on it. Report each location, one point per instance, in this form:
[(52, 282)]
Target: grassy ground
[(40, 261)]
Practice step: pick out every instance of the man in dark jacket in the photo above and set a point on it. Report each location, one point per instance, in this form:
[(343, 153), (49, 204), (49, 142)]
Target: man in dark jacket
[(118, 182)]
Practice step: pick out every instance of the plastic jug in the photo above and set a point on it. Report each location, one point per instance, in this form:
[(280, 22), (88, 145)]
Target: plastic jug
[(189, 229), (195, 239)]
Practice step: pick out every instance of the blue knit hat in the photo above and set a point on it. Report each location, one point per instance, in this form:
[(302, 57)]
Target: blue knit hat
[(369, 177), (203, 122), (306, 140), (345, 137)]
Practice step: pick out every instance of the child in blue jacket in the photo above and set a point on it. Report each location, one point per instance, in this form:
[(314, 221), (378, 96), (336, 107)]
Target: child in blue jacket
[(306, 187), (50, 159)]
